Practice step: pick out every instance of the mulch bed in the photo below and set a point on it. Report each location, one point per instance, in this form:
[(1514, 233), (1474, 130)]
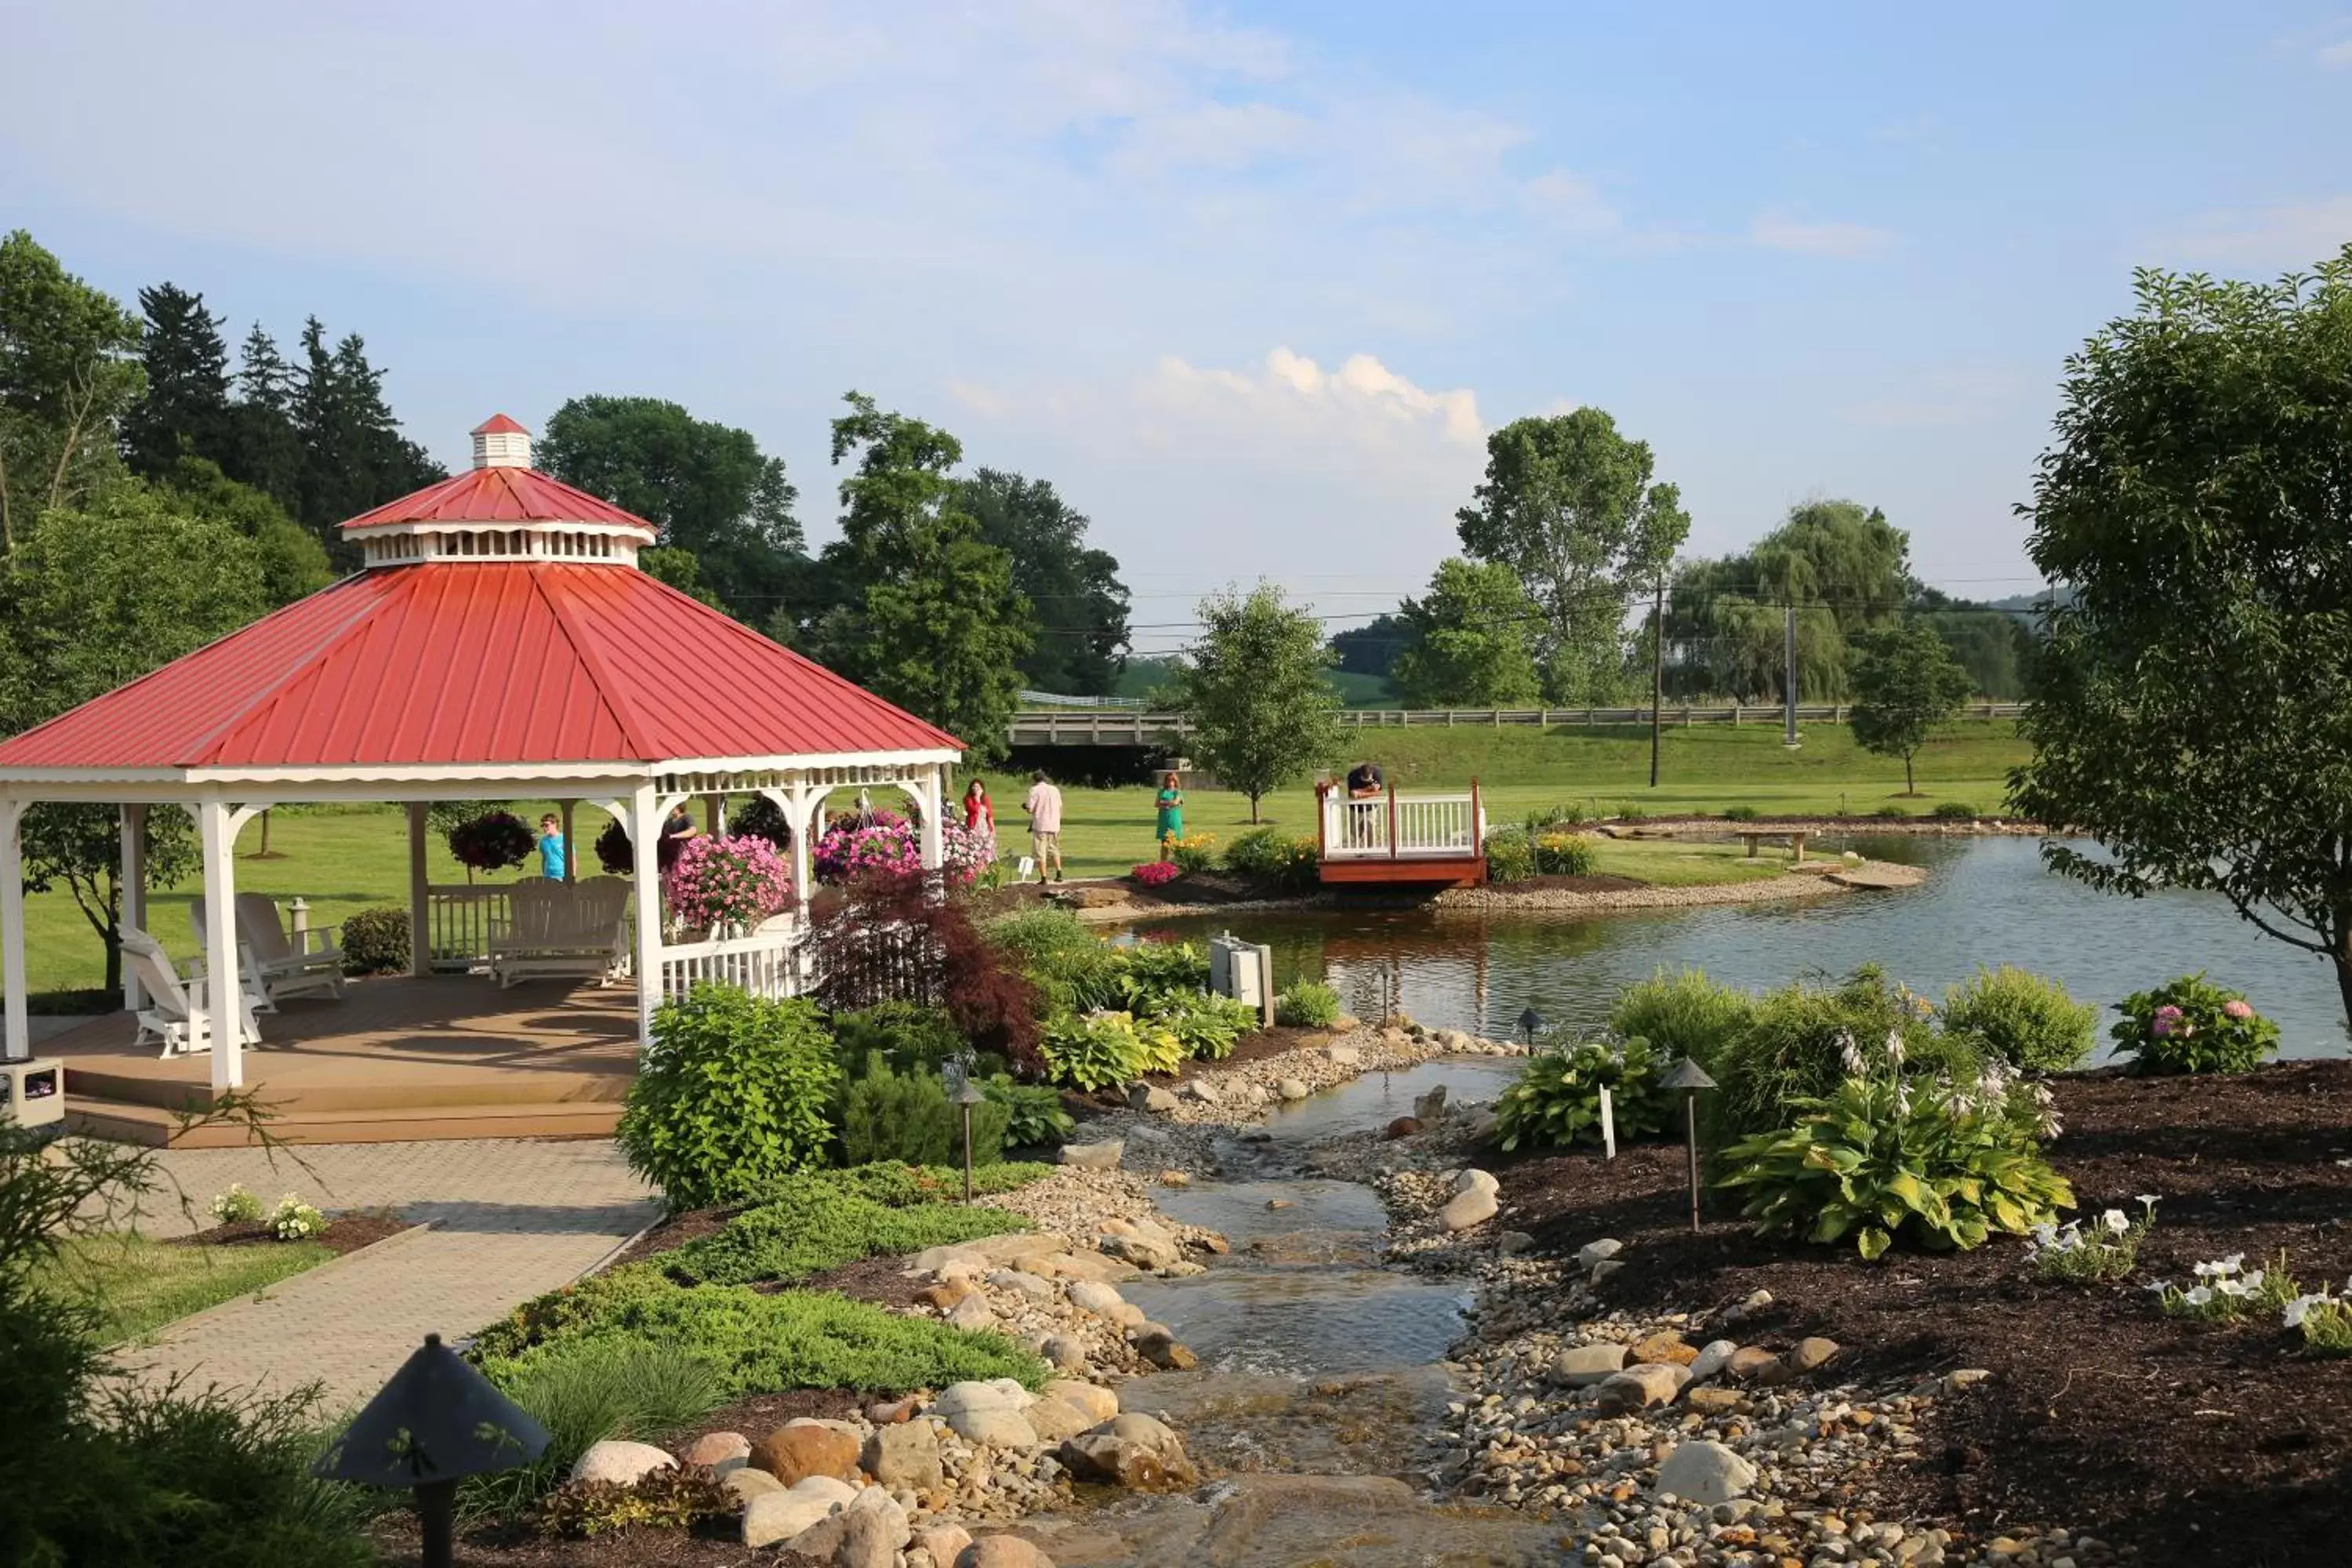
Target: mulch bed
[(344, 1233), (2196, 1444)]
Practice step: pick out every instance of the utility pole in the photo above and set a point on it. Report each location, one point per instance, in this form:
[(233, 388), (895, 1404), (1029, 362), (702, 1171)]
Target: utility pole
[(1788, 673), (1657, 674)]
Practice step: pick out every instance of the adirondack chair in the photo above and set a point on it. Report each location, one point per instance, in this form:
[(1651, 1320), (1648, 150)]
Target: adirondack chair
[(168, 1017), (564, 928), (283, 969)]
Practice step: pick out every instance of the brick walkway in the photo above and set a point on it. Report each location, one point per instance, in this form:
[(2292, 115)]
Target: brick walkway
[(509, 1219)]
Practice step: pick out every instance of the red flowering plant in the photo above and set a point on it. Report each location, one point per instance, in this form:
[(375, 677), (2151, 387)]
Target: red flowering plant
[(1155, 873), (726, 883)]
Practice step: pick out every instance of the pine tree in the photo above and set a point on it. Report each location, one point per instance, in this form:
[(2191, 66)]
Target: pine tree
[(266, 453), (354, 455), (186, 409)]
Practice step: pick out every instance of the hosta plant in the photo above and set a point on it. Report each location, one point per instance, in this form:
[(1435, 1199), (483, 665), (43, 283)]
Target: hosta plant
[(1556, 1100), (1884, 1159), (1099, 1051), (1205, 1026), (2192, 1025)]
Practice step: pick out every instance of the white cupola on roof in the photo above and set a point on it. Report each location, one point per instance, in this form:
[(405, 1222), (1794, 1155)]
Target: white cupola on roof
[(501, 443)]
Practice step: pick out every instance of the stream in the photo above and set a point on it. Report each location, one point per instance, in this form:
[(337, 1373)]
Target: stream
[(1321, 1372)]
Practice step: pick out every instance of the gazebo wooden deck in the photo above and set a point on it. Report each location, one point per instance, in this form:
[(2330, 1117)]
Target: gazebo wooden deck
[(398, 1059)]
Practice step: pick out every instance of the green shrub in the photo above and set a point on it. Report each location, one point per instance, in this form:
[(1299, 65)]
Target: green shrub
[(1308, 1004), (1545, 816), (1194, 852), (1269, 854), (2022, 1019), (1206, 1027), (1555, 1102), (1153, 972), (733, 1092), (1741, 813), (1099, 1050), (1891, 811), (1565, 853), (887, 1115), (1073, 970), (1681, 1014), (677, 1498), (1510, 855), (1885, 1160), (1630, 811), (755, 1343), (1954, 811), (1034, 1116), (375, 941), (2192, 1025), (584, 1391), (807, 1224), (899, 1185), (1799, 1042), (911, 1038)]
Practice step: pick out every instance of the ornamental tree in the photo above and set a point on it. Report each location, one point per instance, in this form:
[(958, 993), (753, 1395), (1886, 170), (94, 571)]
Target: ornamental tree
[(1262, 711), (1906, 683), (1469, 640), (2192, 702)]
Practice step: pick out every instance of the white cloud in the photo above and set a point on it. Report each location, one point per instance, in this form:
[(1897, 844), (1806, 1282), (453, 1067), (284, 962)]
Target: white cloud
[(1360, 403), (2291, 237), (2335, 55), (1777, 230)]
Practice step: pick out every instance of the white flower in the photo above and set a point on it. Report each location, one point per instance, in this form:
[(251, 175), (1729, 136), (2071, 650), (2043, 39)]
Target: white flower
[(2146, 1200), (2300, 1309), (2162, 1286), (2046, 1234), (2114, 1220), (1850, 1053), (1894, 1047), (2254, 1281), (2231, 1288), (2232, 1263), (2197, 1296)]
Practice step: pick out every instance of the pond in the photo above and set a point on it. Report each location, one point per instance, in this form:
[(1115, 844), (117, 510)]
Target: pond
[(1987, 901)]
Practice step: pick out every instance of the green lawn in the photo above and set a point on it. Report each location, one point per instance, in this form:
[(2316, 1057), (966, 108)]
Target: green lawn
[(347, 859), (138, 1284)]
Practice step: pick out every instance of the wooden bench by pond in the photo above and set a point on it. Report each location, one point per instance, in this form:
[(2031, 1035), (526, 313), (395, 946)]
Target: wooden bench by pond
[(1794, 839)]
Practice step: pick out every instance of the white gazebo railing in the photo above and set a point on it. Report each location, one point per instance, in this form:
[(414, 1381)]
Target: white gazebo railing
[(1398, 826), (461, 920), (766, 963)]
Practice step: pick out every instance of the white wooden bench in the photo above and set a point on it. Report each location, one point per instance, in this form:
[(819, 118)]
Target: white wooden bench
[(557, 930), (283, 968)]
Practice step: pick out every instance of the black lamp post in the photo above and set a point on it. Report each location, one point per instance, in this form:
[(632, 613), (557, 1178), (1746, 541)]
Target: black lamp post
[(436, 1423), (1688, 1077), (967, 1095), (1531, 1025)]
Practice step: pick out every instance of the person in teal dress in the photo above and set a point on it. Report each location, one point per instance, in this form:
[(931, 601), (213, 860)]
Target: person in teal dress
[(1170, 826)]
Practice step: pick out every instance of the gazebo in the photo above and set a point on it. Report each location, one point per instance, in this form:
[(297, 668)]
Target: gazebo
[(500, 641)]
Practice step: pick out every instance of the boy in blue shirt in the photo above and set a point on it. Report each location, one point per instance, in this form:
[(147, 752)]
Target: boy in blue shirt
[(551, 847)]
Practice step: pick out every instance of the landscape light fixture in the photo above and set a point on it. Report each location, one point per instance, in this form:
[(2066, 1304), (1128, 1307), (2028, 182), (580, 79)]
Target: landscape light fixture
[(1688, 1078), (436, 1422), (1531, 1025), (967, 1095)]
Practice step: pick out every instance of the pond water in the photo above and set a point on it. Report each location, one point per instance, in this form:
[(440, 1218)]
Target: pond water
[(1987, 901)]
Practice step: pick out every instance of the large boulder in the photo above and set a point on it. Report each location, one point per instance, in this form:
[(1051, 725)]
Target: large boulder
[(1641, 1387), (943, 1542), (1021, 1282), (799, 1449), (1712, 1358), (1092, 1397), (1147, 1252), (1157, 1344), (780, 1516), (854, 1538), (1344, 1055), (1465, 1209), (1002, 1551), (1598, 1252), (1811, 1354), (1095, 1266), (1292, 1088), (746, 1483), (1154, 1433), (1064, 1353), (974, 1395), (622, 1463), (1200, 1089), (996, 1428), (1150, 1097), (718, 1448), (1052, 1420), (1706, 1473), (1094, 1296), (1475, 1180), (904, 1458), (1109, 1459), (973, 1314), (1580, 1366), (1103, 1156)]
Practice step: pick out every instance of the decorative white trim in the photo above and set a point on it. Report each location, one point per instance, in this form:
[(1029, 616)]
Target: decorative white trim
[(561, 544), (700, 775)]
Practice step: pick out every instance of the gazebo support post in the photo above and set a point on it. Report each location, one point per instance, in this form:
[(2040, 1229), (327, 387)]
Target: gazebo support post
[(420, 894), (571, 852), (224, 978), (133, 892), (17, 1034), (645, 843), (930, 794)]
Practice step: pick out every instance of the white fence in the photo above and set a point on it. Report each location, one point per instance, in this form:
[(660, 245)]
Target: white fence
[(1401, 826), (1134, 729), (764, 963), (460, 921)]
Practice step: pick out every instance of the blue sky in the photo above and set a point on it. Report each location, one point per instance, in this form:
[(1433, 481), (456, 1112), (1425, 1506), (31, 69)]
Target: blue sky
[(1248, 283)]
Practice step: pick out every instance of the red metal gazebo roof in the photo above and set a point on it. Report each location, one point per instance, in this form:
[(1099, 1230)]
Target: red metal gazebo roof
[(452, 663)]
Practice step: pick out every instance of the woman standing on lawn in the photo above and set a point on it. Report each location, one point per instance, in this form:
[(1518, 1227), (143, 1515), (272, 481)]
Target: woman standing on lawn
[(1170, 826)]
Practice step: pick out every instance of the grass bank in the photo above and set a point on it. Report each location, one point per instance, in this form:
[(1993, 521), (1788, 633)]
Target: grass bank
[(138, 1284)]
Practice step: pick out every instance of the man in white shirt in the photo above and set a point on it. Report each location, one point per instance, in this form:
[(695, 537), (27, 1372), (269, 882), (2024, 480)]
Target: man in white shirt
[(1044, 808)]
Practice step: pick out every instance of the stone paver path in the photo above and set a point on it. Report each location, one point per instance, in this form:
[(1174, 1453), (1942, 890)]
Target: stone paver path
[(510, 1218)]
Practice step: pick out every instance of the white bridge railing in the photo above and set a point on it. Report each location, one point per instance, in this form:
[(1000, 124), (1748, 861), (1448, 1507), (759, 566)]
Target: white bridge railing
[(1398, 827), (764, 963)]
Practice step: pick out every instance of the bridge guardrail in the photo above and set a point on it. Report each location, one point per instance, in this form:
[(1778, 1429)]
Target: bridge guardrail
[(1113, 728)]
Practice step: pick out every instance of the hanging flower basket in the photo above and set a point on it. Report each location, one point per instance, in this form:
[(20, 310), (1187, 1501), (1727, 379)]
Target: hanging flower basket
[(726, 884), (492, 842), (887, 844)]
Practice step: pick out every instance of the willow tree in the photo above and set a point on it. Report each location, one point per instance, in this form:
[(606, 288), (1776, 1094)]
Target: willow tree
[(2192, 709)]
